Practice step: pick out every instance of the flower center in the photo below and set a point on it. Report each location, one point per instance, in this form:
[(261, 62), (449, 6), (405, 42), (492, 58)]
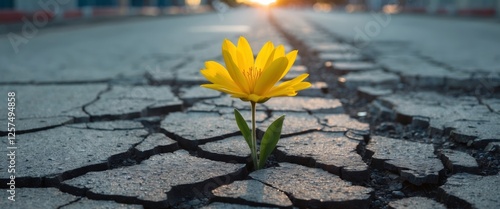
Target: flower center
[(252, 75)]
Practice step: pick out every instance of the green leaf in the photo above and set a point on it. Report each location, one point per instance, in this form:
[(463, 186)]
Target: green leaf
[(270, 139), (245, 130)]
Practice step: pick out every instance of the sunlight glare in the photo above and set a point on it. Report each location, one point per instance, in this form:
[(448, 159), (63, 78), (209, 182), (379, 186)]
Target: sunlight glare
[(263, 2)]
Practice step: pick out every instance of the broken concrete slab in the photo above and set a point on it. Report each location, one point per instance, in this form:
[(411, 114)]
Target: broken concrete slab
[(314, 188), (36, 124), (232, 149), (340, 57), (318, 89), (493, 147), (251, 192), (333, 47), (415, 71), (333, 121), (155, 144), (202, 128), (294, 123), (190, 95), (164, 72), (463, 119), (414, 162), (56, 154), (37, 198), (416, 203), (214, 105), (304, 104), (134, 101), (475, 133), (342, 68), (109, 125), (370, 93), (492, 103), (35, 109), (458, 162), (160, 181), (332, 152), (465, 190), (370, 78)]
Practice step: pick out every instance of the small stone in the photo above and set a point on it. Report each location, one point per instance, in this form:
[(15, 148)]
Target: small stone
[(314, 188), (493, 147), (361, 114), (416, 203), (464, 190), (398, 194), (251, 192)]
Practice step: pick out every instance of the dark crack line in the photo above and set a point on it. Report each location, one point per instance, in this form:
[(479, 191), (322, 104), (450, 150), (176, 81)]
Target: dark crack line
[(288, 195), (69, 203), (108, 89)]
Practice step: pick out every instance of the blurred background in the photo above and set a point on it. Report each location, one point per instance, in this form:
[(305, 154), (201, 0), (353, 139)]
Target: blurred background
[(13, 10)]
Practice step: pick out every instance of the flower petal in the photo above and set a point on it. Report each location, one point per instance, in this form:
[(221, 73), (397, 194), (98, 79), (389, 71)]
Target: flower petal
[(286, 86), (291, 56), (264, 54), (222, 88), (217, 78), (235, 72), (280, 52), (270, 76), (218, 68), (246, 52), (302, 86)]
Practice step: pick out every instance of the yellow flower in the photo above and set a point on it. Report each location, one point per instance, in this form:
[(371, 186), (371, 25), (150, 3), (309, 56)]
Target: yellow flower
[(254, 80)]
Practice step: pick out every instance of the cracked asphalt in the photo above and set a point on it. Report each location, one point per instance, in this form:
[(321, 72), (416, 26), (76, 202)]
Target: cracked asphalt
[(404, 112)]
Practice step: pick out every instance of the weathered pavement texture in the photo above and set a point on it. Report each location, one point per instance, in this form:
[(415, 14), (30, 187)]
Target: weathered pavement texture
[(111, 115)]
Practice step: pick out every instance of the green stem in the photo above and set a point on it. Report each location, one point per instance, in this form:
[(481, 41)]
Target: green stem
[(254, 139)]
